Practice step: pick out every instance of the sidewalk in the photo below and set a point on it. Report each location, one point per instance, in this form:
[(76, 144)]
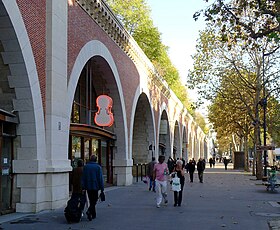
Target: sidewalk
[(228, 199)]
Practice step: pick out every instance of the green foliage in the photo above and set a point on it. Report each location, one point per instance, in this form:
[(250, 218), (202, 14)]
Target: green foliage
[(238, 19), (233, 81), (200, 120), (248, 35), (273, 120), (136, 18)]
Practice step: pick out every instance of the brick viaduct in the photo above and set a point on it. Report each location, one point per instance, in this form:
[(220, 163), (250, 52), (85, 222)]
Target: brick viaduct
[(45, 46)]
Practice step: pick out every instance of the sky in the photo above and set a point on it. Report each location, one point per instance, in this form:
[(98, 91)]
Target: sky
[(179, 30), (174, 20)]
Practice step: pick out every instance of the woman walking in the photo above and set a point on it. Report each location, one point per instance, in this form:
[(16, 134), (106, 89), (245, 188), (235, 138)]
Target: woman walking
[(179, 172)]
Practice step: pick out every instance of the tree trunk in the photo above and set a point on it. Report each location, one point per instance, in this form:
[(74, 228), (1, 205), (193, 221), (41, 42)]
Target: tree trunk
[(257, 132), (259, 165), (246, 152)]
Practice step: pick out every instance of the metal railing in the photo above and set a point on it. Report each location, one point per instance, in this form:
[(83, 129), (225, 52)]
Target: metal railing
[(140, 171)]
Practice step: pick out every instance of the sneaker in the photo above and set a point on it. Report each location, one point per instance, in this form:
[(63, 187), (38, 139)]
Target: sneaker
[(158, 206), (165, 201)]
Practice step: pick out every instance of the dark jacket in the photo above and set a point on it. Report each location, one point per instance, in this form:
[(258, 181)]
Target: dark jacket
[(92, 177), (200, 166), (150, 168), (77, 180), (182, 177), (191, 166)]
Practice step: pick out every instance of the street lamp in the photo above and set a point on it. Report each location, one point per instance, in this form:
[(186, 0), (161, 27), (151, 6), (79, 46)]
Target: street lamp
[(263, 103)]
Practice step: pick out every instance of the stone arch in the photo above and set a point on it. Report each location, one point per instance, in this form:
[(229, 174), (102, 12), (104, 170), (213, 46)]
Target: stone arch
[(185, 144), (22, 96), (23, 78), (176, 141), (164, 140), (143, 133), (97, 49), (190, 146), (195, 144), (100, 53)]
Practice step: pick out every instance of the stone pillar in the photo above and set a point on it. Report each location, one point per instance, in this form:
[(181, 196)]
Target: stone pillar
[(56, 116), (123, 172)]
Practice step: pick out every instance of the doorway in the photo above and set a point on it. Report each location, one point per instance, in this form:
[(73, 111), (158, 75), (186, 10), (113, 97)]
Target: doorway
[(6, 178), (82, 147)]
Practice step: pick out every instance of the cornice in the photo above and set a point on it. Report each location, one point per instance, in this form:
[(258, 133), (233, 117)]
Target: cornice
[(100, 12)]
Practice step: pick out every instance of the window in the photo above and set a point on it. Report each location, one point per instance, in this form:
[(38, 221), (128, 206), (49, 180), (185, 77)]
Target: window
[(84, 104)]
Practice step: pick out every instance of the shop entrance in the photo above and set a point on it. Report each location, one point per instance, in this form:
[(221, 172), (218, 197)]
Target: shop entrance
[(6, 156), (82, 144)]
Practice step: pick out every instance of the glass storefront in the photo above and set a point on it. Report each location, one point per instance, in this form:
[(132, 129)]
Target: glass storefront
[(82, 147), (86, 138)]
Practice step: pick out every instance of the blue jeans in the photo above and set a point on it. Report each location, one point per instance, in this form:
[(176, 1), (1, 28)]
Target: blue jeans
[(152, 184)]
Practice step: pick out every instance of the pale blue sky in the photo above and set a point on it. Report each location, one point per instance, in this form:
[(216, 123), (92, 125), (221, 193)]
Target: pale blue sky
[(180, 31), (174, 20)]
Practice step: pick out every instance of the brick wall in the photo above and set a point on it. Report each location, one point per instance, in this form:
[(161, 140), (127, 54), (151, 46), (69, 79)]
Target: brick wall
[(34, 17), (82, 29)]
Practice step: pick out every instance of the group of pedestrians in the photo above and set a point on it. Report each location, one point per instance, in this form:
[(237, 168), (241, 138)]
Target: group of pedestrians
[(162, 172), (200, 165), (87, 181)]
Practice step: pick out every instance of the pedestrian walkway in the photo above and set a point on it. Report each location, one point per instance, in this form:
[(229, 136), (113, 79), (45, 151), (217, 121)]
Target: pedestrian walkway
[(227, 199)]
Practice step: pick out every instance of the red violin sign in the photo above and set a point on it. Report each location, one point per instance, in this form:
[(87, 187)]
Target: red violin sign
[(104, 116)]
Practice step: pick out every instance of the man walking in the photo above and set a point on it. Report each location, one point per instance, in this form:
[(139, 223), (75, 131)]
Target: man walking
[(200, 169), (190, 167), (150, 172), (92, 182)]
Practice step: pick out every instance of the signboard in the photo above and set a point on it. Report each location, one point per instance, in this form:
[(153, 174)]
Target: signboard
[(5, 171), (267, 147), (104, 116)]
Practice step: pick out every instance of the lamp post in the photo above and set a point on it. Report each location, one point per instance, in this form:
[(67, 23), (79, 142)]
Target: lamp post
[(264, 105)]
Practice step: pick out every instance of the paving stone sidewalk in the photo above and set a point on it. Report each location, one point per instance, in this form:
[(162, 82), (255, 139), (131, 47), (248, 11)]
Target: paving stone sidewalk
[(228, 199)]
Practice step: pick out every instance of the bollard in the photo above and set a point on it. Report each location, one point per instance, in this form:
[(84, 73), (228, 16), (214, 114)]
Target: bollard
[(145, 169), (136, 172), (141, 172)]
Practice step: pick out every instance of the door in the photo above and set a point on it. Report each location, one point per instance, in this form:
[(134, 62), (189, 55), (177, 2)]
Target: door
[(6, 174)]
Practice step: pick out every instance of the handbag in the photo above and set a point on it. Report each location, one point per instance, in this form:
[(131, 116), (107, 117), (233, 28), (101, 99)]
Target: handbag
[(145, 179), (176, 186), (102, 196)]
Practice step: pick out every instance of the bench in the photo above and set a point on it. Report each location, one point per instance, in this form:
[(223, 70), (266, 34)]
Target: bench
[(271, 185), (272, 182)]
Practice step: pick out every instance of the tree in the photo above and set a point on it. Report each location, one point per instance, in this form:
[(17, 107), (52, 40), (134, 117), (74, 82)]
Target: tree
[(244, 19), (200, 120), (135, 15), (222, 65), (229, 115), (136, 18)]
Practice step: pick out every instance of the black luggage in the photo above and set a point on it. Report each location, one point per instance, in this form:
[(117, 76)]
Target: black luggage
[(74, 208)]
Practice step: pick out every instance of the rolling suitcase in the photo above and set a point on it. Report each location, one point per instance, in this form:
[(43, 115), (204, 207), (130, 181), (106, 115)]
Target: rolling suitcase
[(74, 208)]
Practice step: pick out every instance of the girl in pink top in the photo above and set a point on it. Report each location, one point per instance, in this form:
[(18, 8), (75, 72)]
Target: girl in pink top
[(160, 175)]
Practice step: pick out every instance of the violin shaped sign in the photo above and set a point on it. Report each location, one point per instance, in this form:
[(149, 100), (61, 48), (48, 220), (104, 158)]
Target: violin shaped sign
[(104, 116)]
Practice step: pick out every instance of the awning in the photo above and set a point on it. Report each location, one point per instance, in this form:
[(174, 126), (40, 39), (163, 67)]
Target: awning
[(8, 116)]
